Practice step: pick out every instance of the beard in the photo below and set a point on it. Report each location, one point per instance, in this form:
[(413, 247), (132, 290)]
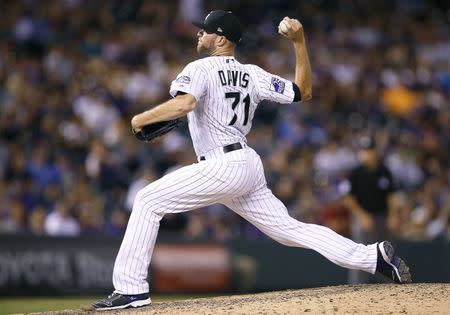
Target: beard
[(202, 49)]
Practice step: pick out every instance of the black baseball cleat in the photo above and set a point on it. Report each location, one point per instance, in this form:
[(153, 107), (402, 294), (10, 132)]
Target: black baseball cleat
[(117, 301), (390, 265)]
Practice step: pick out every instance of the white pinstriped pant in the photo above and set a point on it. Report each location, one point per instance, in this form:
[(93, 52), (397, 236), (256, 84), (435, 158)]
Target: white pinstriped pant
[(235, 179)]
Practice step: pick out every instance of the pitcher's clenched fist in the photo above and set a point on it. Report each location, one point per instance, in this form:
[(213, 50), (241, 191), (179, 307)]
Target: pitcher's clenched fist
[(291, 28)]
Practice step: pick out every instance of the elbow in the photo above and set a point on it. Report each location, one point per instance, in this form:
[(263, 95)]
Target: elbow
[(187, 104), (306, 95), (184, 109), (303, 92), (189, 107)]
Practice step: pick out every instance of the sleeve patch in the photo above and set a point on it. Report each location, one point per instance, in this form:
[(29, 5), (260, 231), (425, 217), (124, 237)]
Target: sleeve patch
[(277, 85), (183, 79)]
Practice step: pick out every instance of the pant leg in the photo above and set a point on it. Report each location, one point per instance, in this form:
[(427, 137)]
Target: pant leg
[(187, 188), (268, 213), (359, 235)]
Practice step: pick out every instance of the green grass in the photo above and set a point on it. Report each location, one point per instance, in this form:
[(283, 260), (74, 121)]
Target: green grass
[(17, 305)]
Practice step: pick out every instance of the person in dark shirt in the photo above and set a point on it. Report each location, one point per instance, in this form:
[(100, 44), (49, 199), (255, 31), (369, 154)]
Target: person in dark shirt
[(371, 194), (370, 199)]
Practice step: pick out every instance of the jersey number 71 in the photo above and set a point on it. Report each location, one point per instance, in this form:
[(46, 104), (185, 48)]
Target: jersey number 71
[(236, 96)]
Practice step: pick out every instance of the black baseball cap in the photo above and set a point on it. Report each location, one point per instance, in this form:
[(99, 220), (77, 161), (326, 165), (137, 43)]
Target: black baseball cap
[(223, 23)]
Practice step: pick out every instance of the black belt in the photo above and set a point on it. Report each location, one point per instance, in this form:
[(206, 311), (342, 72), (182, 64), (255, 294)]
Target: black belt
[(227, 148)]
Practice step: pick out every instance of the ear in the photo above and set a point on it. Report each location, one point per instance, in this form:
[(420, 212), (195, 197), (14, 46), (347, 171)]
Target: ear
[(221, 41)]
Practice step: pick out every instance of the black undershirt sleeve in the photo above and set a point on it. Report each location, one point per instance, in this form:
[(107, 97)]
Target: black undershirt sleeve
[(297, 93)]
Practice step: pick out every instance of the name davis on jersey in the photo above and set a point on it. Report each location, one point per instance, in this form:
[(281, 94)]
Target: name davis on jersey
[(235, 78)]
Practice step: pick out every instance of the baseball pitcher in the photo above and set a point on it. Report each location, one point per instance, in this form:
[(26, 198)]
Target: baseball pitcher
[(219, 95)]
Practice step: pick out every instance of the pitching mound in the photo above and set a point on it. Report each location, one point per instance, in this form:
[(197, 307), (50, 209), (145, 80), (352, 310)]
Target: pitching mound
[(359, 299)]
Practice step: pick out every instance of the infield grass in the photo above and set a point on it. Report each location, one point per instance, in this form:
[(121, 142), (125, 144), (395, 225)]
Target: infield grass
[(20, 305)]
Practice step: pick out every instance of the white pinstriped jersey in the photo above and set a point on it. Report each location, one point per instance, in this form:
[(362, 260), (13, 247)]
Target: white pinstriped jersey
[(227, 94)]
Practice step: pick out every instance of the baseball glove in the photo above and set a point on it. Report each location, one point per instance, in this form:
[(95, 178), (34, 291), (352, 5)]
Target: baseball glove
[(152, 131)]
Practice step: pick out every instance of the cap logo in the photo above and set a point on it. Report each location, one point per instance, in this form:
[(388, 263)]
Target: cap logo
[(219, 29)]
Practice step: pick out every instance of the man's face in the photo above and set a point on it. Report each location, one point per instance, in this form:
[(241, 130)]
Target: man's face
[(206, 41), (368, 156)]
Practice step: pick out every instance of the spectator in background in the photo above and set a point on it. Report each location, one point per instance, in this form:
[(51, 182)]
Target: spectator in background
[(13, 220), (36, 221), (145, 178), (370, 199), (333, 158), (90, 220), (117, 223), (336, 217), (370, 195), (428, 212), (75, 73), (59, 222)]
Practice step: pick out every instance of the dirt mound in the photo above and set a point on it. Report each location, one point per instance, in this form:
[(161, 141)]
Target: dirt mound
[(422, 298)]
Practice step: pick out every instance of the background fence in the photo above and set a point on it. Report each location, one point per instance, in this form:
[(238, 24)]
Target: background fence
[(83, 266)]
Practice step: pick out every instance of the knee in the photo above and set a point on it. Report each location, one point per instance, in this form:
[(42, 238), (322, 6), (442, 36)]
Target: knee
[(145, 202), (139, 200)]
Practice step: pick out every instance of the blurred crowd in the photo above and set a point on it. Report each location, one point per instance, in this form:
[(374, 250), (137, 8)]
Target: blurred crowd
[(74, 72)]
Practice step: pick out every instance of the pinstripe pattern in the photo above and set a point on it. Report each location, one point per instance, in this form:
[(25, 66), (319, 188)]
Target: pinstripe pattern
[(209, 121), (235, 179), (266, 212)]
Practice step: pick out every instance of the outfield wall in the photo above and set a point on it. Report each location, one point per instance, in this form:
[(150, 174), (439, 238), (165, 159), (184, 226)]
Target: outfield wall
[(83, 266)]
